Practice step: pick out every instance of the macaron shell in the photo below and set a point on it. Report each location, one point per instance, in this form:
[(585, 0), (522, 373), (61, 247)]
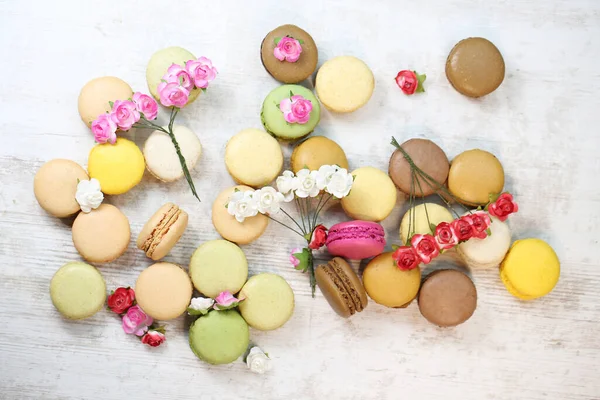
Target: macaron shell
[(356, 240), (315, 152), (284, 71), (101, 235), (55, 185), (274, 121), (488, 252), (161, 158), (154, 224), (344, 84), (220, 337), (96, 95), (474, 175), (168, 237), (118, 167), (159, 64), (228, 227), (163, 291), (78, 290), (373, 195), (341, 287), (436, 215), (268, 301), (389, 286), (217, 266)]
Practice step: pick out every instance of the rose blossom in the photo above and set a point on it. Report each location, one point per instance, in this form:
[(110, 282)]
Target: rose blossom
[(425, 246), (479, 221), (463, 229), (145, 105), (293, 260), (104, 129), (407, 81), (136, 322), (242, 205), (153, 338), (318, 238), (178, 74), (201, 71), (225, 301), (340, 183), (503, 207), (124, 114), (286, 185), (171, 94), (406, 258), (288, 49), (257, 361), (268, 200), (306, 183), (296, 109), (121, 299), (445, 236)]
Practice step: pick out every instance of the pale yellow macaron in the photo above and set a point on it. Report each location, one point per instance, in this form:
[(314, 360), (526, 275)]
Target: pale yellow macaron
[(163, 291), (95, 97), (389, 286), (159, 64), (490, 251), (474, 175), (268, 301), (344, 84), (316, 152), (253, 158), (420, 224), (55, 185), (372, 197), (118, 167)]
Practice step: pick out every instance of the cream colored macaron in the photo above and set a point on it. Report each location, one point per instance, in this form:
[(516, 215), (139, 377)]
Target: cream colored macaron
[(372, 197), (253, 158), (163, 291), (55, 185), (435, 212), (161, 158), (488, 252), (95, 97), (344, 84)]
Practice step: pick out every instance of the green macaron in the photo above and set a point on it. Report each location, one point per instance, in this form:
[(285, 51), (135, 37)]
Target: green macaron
[(159, 64), (268, 301), (77, 290), (220, 337), (273, 116)]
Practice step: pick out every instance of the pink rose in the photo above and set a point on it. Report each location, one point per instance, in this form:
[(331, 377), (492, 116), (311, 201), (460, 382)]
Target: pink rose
[(288, 49), (503, 207), (135, 321), (445, 236), (463, 229), (296, 109), (293, 260), (104, 129), (153, 338), (479, 222), (172, 94), (425, 246), (201, 71), (124, 114), (178, 74), (145, 105), (318, 238), (225, 300), (407, 81), (406, 258)]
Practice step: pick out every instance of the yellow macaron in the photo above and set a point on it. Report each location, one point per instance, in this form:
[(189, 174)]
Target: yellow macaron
[(424, 215), (373, 195), (474, 175), (389, 286), (118, 167), (531, 269), (316, 152)]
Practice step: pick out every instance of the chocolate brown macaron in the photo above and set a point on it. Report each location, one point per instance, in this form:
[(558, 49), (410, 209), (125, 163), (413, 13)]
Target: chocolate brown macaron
[(426, 155), (447, 298), (475, 67), (284, 71), (341, 287)]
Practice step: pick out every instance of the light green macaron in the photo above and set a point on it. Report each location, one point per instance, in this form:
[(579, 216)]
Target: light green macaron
[(160, 62), (268, 301), (220, 337), (274, 121), (77, 290)]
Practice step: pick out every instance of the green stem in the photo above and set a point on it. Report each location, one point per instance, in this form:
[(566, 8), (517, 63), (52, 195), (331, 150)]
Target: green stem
[(424, 205), (301, 212), (311, 270), (314, 219), (321, 209), (290, 217), (282, 224)]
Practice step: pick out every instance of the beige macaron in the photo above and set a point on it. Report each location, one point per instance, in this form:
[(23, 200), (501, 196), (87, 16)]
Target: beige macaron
[(162, 231), (95, 97), (316, 152), (474, 175), (55, 185), (373, 195), (344, 84)]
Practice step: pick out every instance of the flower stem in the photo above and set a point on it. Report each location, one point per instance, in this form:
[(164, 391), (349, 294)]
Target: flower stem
[(301, 212), (293, 220), (321, 209), (311, 271), (287, 226)]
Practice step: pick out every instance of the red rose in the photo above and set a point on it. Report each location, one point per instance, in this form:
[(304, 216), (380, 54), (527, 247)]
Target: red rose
[(318, 238), (479, 221), (407, 81), (406, 258), (503, 207), (425, 246), (153, 338), (463, 229), (445, 236), (121, 299)]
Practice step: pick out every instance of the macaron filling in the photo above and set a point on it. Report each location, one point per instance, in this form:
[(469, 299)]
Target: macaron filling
[(160, 230)]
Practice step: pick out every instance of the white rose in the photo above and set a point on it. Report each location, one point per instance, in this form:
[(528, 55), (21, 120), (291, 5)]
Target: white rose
[(306, 183), (268, 200), (89, 195), (242, 205), (325, 174), (201, 303), (285, 185), (258, 361), (340, 183)]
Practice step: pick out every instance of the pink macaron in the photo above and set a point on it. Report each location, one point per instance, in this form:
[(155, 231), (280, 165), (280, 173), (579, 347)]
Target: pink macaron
[(356, 240)]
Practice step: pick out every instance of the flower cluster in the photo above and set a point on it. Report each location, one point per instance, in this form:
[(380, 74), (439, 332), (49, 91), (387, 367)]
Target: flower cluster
[(177, 84), (296, 109), (287, 49), (133, 319), (202, 305), (410, 81)]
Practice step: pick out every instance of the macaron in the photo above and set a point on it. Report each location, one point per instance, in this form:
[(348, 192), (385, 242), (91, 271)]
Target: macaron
[(356, 239), (273, 113), (163, 291), (341, 287), (253, 158), (77, 290), (162, 231), (161, 158), (373, 195), (475, 67), (447, 298), (118, 167), (101, 235), (55, 185), (488, 252), (286, 71), (219, 337), (159, 64), (268, 301), (531, 269), (218, 266), (474, 175), (317, 151), (96, 95), (428, 157), (344, 84), (228, 227), (389, 286), (420, 224)]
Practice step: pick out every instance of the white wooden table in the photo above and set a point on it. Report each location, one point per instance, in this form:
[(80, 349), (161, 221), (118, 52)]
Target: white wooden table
[(542, 123)]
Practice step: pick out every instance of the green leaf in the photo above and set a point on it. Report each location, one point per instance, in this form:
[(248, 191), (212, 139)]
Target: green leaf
[(277, 40), (291, 93), (229, 307), (395, 247), (111, 104), (432, 227), (488, 231), (421, 80), (78, 181), (203, 90), (236, 190), (304, 258), (493, 197), (194, 312), (300, 41)]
